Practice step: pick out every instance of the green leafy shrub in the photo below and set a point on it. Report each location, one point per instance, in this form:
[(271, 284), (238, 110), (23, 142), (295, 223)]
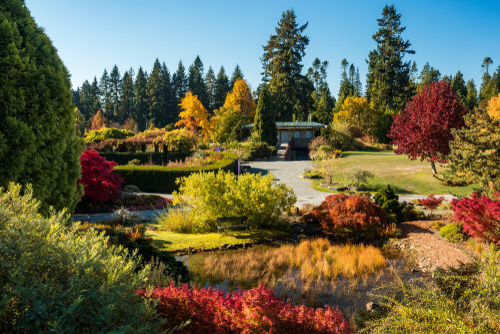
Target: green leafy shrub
[(134, 162), (437, 224), (163, 179), (452, 232), (388, 200), (212, 195), (145, 157), (257, 150), (176, 220), (55, 279), (410, 213), (96, 136)]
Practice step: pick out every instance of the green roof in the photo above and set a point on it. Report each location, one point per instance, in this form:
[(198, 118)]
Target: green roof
[(291, 125)]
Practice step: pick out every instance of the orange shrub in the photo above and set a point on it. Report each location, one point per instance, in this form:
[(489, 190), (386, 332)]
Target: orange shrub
[(350, 217)]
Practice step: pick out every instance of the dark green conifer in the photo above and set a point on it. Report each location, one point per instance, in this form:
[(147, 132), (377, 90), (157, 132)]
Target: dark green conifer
[(196, 84), (154, 95), (264, 123), (141, 100), (128, 96), (221, 88), (95, 97), (115, 90), (459, 87), (237, 74), (168, 108), (210, 84), (180, 85), (105, 91)]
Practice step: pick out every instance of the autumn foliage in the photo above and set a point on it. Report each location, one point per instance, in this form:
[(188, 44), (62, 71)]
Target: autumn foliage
[(431, 202), (98, 121), (493, 107), (423, 129), (359, 114), (99, 180), (350, 216), (256, 310), (194, 116), (480, 216), (241, 99)]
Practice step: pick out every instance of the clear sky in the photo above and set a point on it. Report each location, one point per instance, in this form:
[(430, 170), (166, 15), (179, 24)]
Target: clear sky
[(92, 35)]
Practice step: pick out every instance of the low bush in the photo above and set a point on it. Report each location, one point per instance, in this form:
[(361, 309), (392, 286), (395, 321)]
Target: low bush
[(257, 150), (388, 200), (134, 162), (176, 220), (124, 217), (157, 158), (452, 232), (351, 217), (163, 179), (55, 279), (96, 136), (256, 310), (480, 216), (211, 195), (437, 225)]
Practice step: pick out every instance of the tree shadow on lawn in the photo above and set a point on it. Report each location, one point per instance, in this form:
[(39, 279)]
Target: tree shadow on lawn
[(258, 170), (161, 243), (398, 190)]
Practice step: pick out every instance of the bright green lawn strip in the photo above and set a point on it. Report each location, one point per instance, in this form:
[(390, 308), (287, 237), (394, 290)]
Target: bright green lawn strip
[(404, 175), (174, 241)]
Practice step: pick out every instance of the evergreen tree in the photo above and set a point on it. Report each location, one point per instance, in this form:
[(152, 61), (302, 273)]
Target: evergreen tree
[(105, 92), (414, 72), (358, 86), (471, 101), (459, 86), (492, 88), (196, 84), (154, 94), (323, 112), (221, 88), (282, 56), (86, 100), (388, 78), (141, 100), (346, 88), (317, 75), (115, 88), (168, 115), (38, 141), (237, 74), (486, 64), (352, 76), (95, 97), (264, 124), (128, 96), (75, 97), (180, 85), (210, 84), (429, 75), (486, 79)]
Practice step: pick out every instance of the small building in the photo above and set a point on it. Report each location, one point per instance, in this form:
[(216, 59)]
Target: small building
[(298, 134)]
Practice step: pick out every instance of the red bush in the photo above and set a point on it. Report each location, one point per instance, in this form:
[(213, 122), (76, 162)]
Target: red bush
[(99, 180), (350, 216), (431, 202), (480, 216), (244, 311)]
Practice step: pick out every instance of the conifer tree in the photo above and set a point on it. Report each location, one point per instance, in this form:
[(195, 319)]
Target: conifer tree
[(282, 56), (471, 100), (429, 75), (485, 80), (459, 87), (221, 88), (346, 88), (168, 108), (264, 124), (180, 85), (196, 84), (323, 112), (38, 141), (141, 100), (237, 74), (115, 88), (154, 94), (414, 72), (86, 100), (210, 84), (75, 97), (317, 75), (492, 88), (105, 91), (95, 96), (388, 78), (358, 86), (128, 96)]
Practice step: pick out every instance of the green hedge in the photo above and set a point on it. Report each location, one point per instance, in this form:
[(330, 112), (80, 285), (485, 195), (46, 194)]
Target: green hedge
[(159, 179), (96, 136), (158, 158)]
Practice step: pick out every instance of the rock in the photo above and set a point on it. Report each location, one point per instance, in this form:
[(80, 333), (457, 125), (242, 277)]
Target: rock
[(371, 306)]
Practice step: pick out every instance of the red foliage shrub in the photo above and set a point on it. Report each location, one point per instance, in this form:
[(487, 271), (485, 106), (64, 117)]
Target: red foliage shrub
[(99, 180), (480, 216), (256, 310), (350, 216), (431, 202)]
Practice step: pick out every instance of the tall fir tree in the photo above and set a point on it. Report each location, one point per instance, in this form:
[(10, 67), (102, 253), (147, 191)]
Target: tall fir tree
[(237, 74), (154, 95), (459, 87), (414, 72), (196, 84), (128, 96), (317, 75), (485, 80), (264, 124), (358, 86), (429, 75), (38, 141), (75, 98), (86, 100), (141, 100), (105, 91), (221, 88), (283, 54), (180, 85), (388, 78), (346, 88), (472, 98), (210, 84), (168, 108), (95, 96), (491, 89), (115, 87)]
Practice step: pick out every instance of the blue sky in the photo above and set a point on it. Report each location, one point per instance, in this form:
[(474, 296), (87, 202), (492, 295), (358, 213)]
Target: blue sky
[(95, 34)]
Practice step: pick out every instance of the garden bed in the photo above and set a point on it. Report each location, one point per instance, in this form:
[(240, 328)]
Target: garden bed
[(134, 203)]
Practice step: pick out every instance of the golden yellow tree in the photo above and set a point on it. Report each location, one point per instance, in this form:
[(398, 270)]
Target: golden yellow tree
[(358, 113), (493, 107), (194, 116), (241, 99)]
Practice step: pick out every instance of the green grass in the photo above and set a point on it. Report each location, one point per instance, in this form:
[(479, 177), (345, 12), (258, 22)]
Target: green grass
[(404, 175), (172, 241)]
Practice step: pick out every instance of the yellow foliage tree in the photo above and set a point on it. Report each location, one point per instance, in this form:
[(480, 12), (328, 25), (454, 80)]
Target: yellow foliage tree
[(493, 107), (358, 113), (241, 99), (194, 116)]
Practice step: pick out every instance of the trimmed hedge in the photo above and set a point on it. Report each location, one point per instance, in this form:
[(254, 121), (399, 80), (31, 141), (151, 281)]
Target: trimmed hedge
[(158, 158), (158, 179), (96, 136)]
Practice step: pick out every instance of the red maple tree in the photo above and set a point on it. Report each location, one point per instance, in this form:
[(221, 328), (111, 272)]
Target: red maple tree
[(99, 180), (423, 128)]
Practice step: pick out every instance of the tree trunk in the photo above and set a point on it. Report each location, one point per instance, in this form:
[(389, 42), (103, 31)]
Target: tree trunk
[(156, 148), (433, 168)]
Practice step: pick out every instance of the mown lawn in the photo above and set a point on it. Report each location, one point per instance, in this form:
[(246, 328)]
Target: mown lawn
[(172, 241), (404, 175)]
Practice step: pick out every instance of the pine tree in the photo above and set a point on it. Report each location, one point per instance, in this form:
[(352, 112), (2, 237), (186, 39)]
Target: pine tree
[(414, 72), (168, 108), (210, 84), (38, 141), (196, 84), (180, 85), (237, 74), (459, 87), (471, 101), (128, 96), (153, 93), (429, 75), (221, 88), (95, 97), (346, 88), (282, 56), (115, 88), (264, 124), (492, 88), (486, 64), (324, 108), (75, 97), (358, 86), (486, 79), (141, 100), (86, 100), (105, 92), (388, 77), (317, 75)]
